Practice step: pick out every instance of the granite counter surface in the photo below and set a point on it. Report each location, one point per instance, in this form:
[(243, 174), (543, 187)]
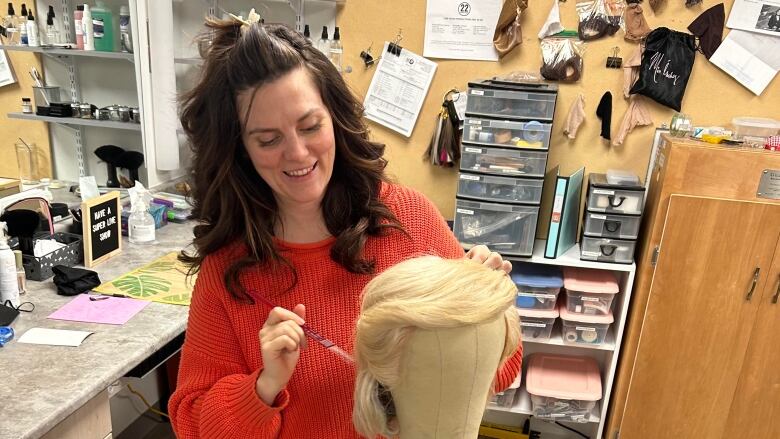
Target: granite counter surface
[(42, 384)]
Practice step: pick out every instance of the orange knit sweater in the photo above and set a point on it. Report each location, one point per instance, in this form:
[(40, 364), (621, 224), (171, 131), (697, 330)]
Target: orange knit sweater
[(221, 360)]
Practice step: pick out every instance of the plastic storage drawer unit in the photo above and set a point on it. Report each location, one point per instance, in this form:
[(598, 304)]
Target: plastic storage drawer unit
[(537, 285), (581, 329), (489, 160), (504, 228), (589, 291), (536, 324), (516, 103), (562, 387), (624, 199), (617, 251), (500, 189), (603, 225), (533, 134)]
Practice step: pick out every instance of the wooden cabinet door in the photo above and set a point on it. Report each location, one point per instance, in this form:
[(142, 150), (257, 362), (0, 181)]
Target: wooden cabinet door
[(698, 320), (755, 411)]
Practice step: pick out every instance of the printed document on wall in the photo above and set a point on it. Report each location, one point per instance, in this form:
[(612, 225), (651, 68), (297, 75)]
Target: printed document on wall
[(459, 29), (762, 16), (745, 56), (398, 89)]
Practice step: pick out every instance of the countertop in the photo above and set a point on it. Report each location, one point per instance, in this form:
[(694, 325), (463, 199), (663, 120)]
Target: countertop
[(42, 384)]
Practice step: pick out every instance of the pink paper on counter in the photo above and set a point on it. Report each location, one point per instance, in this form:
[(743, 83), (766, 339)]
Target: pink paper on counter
[(111, 311)]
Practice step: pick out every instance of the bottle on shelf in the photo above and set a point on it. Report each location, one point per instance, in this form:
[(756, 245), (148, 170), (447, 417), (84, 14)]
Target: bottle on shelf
[(140, 224), (87, 29), (9, 23), (33, 37), (336, 49), (307, 33), (52, 28), (323, 45), (125, 40), (23, 37), (22, 18), (103, 27), (78, 26)]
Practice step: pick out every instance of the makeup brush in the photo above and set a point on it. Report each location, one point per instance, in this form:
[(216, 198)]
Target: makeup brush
[(110, 155), (22, 223), (131, 160)]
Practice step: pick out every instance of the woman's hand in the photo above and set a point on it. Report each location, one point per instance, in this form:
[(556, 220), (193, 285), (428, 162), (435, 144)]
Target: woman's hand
[(481, 253), (281, 341)]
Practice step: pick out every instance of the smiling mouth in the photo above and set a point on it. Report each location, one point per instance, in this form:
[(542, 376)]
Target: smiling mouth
[(301, 172)]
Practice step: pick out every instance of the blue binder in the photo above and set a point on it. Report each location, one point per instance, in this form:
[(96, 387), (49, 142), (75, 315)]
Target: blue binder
[(565, 215)]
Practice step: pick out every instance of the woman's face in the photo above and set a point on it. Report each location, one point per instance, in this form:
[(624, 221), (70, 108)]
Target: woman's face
[(289, 138)]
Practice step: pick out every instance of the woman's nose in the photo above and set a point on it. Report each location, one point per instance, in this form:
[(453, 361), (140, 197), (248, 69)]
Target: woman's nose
[(296, 148)]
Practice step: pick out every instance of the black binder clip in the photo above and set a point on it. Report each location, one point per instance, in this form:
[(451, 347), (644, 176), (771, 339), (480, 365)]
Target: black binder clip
[(393, 47), (614, 61), (367, 58)]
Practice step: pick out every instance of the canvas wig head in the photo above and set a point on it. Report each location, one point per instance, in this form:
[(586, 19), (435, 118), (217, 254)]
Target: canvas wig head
[(423, 294)]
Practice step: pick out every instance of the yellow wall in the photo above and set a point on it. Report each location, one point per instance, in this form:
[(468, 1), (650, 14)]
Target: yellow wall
[(11, 102), (712, 97)]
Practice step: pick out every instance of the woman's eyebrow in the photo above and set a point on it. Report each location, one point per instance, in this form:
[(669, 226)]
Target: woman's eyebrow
[(266, 130)]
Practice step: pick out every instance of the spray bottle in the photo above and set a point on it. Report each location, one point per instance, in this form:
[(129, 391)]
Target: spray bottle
[(87, 29), (125, 41), (140, 224), (9, 286)]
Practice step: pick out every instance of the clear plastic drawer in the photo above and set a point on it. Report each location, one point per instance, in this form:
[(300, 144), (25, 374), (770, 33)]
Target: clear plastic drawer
[(611, 226), (488, 160), (510, 104), (533, 134), (607, 250), (501, 189), (507, 229)]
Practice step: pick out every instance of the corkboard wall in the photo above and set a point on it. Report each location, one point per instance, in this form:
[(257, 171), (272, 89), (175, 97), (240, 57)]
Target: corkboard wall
[(11, 102), (712, 97)]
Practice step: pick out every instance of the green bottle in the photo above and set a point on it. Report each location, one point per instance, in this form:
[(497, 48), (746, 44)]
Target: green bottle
[(103, 27)]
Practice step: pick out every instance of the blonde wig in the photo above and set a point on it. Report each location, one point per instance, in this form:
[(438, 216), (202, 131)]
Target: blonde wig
[(427, 293)]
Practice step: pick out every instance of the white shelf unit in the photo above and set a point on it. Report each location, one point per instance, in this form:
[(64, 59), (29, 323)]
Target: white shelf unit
[(606, 355), (106, 78)]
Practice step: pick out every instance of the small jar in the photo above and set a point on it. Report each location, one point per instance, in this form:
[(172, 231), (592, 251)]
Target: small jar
[(113, 112), (75, 109), (86, 111), (27, 106), (136, 114), (104, 114), (124, 113)]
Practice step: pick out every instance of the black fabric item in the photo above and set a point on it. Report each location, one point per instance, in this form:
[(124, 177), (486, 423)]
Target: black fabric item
[(666, 67), (71, 281), (7, 314), (709, 28), (604, 112)]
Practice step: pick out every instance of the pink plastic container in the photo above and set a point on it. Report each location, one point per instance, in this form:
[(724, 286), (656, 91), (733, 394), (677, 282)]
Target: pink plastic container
[(562, 387), (584, 329), (589, 291), (537, 324)]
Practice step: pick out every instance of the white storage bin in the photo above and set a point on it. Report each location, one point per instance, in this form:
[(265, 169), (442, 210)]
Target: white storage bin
[(589, 291), (581, 329), (563, 387), (532, 134), (604, 225), (506, 398), (755, 127), (510, 104), (614, 198), (500, 189), (507, 229), (617, 251), (489, 160), (535, 324)]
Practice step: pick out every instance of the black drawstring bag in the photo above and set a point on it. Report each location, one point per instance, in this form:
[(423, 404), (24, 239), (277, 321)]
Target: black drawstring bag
[(666, 66)]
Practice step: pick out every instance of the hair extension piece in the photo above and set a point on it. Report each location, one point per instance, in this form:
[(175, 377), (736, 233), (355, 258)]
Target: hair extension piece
[(422, 294)]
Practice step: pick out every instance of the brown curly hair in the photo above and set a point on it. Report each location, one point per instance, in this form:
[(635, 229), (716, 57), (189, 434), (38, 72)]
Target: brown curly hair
[(231, 202)]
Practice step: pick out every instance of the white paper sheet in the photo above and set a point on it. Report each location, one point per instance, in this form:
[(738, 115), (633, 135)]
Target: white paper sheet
[(458, 29), (398, 89), (755, 16), (750, 58), (54, 337)]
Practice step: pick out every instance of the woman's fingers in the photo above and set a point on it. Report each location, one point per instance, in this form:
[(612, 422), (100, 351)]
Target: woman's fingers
[(279, 314), (482, 254)]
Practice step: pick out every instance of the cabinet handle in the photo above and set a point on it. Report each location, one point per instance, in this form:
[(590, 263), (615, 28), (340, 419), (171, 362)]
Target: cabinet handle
[(608, 250), (612, 226), (612, 201), (753, 284), (777, 293)]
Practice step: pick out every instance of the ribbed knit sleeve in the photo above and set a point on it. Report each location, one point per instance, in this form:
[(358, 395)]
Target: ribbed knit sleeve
[(507, 374), (215, 395)]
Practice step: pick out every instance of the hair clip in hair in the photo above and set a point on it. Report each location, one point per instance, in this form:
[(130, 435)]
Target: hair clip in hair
[(252, 18)]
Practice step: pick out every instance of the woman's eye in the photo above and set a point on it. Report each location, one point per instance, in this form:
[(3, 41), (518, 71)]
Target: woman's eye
[(312, 128), (267, 142)]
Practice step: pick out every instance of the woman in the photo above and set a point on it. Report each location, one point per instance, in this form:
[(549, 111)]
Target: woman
[(774, 21), (294, 207)]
